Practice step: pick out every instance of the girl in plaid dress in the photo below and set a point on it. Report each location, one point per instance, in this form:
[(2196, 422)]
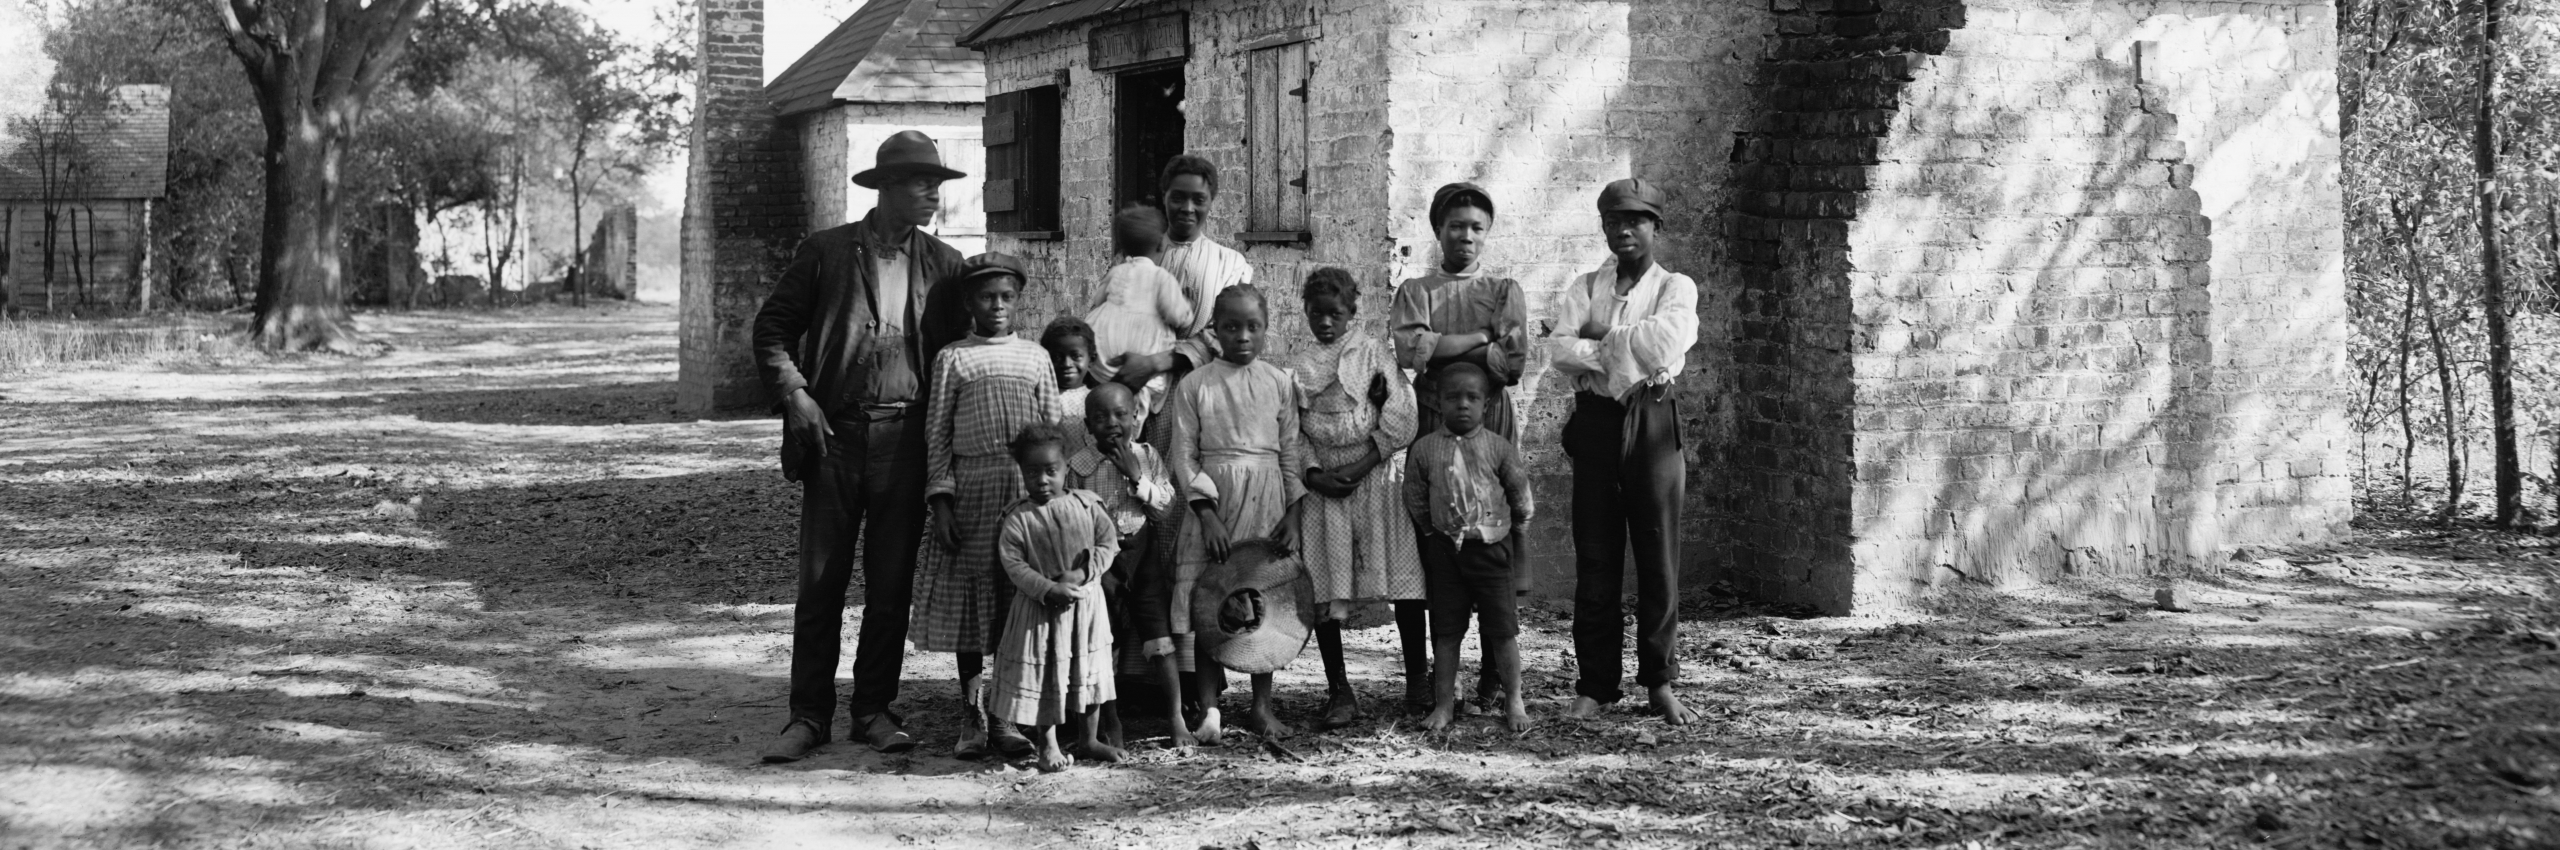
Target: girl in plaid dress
[(1357, 413), (1054, 665), (986, 388)]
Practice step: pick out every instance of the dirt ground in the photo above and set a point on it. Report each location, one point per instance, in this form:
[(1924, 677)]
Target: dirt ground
[(493, 590)]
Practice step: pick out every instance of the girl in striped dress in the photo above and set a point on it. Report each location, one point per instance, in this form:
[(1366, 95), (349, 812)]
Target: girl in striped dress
[(1054, 665), (986, 389), (1357, 412)]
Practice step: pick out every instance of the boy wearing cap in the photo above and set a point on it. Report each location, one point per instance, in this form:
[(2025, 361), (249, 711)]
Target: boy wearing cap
[(844, 342), (1634, 323)]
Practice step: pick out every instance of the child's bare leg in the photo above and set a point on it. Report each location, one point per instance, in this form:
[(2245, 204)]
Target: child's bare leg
[(1341, 705), (1111, 724), (1265, 719), (1444, 681), (1413, 630), (1169, 675), (1505, 652), (1088, 745), (1205, 686), (1052, 759)]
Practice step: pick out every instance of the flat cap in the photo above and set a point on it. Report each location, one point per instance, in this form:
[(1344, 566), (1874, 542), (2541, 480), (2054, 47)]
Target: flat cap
[(991, 264), (1633, 195)]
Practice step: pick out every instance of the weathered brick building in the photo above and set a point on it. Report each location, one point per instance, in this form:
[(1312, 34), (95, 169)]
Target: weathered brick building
[(1995, 291)]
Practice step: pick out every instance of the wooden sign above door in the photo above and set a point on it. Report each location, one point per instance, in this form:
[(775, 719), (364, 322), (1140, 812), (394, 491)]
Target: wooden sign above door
[(1144, 41)]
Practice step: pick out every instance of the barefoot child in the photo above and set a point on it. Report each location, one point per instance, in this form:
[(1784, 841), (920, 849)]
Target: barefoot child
[(1143, 309), (1358, 414), (1053, 665), (1460, 314), (1131, 479), (1236, 448), (1069, 342), (986, 389), (1464, 487)]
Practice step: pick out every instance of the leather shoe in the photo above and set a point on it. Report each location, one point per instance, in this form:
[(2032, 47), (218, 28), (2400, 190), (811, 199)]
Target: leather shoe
[(884, 734), (795, 742)]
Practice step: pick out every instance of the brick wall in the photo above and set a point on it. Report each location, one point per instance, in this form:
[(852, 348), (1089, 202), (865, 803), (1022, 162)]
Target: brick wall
[(1985, 333), (1541, 102), (743, 210)]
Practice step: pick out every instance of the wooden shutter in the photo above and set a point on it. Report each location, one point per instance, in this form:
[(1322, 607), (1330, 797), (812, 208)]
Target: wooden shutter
[(1277, 189), (1021, 130)]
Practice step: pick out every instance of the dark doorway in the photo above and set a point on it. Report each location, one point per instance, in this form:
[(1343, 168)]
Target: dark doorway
[(1147, 131)]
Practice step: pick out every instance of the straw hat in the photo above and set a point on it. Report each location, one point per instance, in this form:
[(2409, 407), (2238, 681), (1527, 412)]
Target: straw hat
[(1252, 612)]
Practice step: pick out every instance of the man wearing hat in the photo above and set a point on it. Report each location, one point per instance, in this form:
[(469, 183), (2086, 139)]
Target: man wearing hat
[(846, 342), (1634, 323)]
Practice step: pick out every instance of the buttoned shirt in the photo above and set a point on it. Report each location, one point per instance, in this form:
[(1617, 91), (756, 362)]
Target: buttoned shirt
[(1651, 330), (1467, 487)]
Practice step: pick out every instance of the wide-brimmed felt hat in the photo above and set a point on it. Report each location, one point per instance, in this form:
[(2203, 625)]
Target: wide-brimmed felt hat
[(1449, 196), (990, 264), (1252, 612), (1633, 195), (908, 152)]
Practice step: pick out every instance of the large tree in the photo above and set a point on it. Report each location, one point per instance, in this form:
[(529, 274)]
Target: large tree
[(313, 63)]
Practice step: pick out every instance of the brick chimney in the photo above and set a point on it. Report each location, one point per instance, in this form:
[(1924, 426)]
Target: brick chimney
[(742, 210)]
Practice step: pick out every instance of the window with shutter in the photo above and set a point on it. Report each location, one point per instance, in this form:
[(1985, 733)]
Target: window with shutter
[(1276, 190), (1021, 194)]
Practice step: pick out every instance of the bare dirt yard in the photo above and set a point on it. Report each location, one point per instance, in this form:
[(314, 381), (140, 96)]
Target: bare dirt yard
[(493, 589)]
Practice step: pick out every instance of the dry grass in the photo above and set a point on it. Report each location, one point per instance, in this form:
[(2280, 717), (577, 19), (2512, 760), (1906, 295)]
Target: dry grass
[(27, 345)]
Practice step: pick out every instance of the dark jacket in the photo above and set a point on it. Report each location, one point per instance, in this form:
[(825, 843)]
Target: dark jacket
[(820, 323)]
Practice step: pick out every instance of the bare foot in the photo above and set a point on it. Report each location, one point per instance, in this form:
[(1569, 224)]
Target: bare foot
[(1584, 708), (1182, 739), (1673, 712), (1439, 719), (1099, 751), (1210, 734), (1517, 720), (1052, 760), (1266, 723)]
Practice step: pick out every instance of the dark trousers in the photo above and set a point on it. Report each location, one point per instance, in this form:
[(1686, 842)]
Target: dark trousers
[(1628, 482), (873, 472)]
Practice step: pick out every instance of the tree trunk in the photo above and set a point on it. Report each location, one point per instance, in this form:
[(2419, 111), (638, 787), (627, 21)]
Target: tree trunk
[(2452, 426), (2408, 323), (2493, 278), (52, 245), (302, 290)]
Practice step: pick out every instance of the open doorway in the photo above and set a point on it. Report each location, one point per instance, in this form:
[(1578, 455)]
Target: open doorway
[(1147, 124)]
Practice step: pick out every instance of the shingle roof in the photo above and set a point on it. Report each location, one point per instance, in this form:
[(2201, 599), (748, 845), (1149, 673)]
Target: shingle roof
[(1025, 17), (888, 51), (125, 145)]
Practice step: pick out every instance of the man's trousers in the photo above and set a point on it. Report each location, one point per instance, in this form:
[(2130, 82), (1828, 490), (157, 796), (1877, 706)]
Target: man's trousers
[(1628, 482), (871, 472)]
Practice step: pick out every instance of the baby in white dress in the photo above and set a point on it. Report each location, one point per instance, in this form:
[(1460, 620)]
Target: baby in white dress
[(1143, 309)]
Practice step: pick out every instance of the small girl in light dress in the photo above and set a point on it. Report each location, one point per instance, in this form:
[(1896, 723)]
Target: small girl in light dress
[(1054, 663), (1143, 309)]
